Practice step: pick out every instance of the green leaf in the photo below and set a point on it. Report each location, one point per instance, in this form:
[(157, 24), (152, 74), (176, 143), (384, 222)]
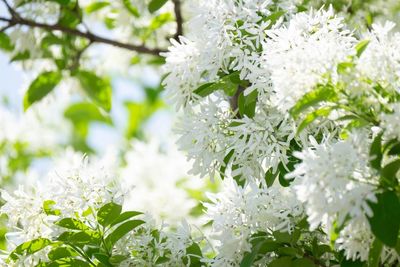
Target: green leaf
[(85, 237), (86, 112), (125, 216), (375, 253), (205, 89), (281, 262), (70, 18), (229, 84), (40, 87), (139, 113), (247, 104), (61, 252), (282, 237), (321, 93), (5, 42), (99, 89), (48, 208), (133, 10), (361, 46), (82, 237), (117, 259), (155, 5), (310, 118), (270, 177), (274, 17), (375, 152), (288, 251), (385, 221), (350, 263), (303, 263), (103, 258), (227, 158), (61, 2), (108, 213), (21, 56), (389, 173), (95, 6), (121, 231), (344, 67), (71, 223), (30, 247), (68, 262), (395, 149), (194, 254)]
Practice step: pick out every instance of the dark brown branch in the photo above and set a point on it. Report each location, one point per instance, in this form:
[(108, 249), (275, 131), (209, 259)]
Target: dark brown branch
[(16, 19), (87, 35), (178, 18), (234, 101)]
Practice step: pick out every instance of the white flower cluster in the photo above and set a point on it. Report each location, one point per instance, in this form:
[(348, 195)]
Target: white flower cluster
[(237, 213), (279, 61), (154, 170), (77, 188), (381, 60), (334, 180), (304, 53)]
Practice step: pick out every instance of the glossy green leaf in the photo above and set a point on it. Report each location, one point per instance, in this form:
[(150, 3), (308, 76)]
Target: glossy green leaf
[(41, 86), (205, 89), (310, 118), (30, 247), (96, 6), (375, 152), (132, 9), (98, 89), (48, 208), (125, 216), (5, 42), (281, 262), (270, 177), (155, 5), (71, 223), (61, 252), (361, 46), (375, 253), (389, 174), (121, 231), (68, 262), (108, 213), (194, 256), (303, 263), (385, 222), (318, 95)]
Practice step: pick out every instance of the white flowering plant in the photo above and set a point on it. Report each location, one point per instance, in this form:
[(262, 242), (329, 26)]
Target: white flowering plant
[(294, 106)]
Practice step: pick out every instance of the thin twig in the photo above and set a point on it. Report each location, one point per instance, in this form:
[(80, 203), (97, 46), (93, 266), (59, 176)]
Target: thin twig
[(10, 9), (178, 18), (16, 19), (87, 35)]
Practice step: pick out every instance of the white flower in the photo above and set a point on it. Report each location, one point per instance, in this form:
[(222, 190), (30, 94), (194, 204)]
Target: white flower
[(261, 142), (356, 240), (153, 170), (381, 59), (238, 212), (300, 54), (204, 135), (334, 180), (391, 122), (184, 71)]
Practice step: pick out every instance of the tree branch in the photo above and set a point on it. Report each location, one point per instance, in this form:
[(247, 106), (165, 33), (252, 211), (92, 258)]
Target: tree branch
[(87, 35), (16, 19), (178, 18)]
